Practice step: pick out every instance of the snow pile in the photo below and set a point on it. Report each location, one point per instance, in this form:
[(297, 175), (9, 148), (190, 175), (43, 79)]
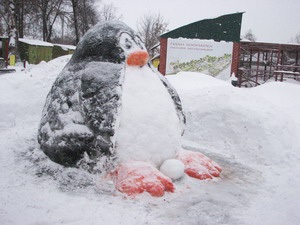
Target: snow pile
[(252, 133), (257, 132)]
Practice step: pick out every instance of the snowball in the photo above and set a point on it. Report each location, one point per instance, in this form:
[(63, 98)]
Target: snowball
[(172, 168)]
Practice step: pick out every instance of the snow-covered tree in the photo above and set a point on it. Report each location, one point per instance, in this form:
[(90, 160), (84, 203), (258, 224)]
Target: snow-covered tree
[(49, 11), (108, 12), (150, 27), (4, 17), (86, 15), (296, 39), (249, 35), (64, 21), (13, 34)]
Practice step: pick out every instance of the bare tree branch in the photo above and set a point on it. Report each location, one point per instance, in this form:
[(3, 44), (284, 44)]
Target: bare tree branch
[(150, 27), (249, 36)]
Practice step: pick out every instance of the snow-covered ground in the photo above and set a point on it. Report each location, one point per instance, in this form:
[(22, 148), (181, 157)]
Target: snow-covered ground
[(254, 134)]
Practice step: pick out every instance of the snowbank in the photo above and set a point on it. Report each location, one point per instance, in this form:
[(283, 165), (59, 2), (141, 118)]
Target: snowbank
[(252, 133)]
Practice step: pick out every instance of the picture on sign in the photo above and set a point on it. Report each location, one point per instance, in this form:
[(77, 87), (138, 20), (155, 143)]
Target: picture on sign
[(205, 56)]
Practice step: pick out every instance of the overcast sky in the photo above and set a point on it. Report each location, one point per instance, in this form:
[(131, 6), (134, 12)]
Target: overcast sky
[(270, 20)]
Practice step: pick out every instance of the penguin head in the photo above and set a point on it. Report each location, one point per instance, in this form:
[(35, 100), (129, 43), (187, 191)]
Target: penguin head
[(111, 41), (134, 50)]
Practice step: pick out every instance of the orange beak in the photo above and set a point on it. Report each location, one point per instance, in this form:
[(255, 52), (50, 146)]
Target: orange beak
[(137, 58)]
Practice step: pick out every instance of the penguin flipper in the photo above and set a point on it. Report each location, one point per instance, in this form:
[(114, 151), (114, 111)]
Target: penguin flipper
[(101, 88), (62, 133), (81, 112)]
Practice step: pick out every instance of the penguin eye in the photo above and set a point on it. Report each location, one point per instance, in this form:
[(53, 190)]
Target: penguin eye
[(128, 43)]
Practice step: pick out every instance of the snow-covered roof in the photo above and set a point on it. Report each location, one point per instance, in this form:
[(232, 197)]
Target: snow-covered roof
[(226, 28), (155, 46), (245, 40), (35, 42), (66, 47), (155, 56)]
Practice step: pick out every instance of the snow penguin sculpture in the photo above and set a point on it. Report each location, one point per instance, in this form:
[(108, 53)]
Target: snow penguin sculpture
[(108, 103)]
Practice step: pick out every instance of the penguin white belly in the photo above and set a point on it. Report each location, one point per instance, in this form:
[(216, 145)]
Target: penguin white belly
[(149, 127)]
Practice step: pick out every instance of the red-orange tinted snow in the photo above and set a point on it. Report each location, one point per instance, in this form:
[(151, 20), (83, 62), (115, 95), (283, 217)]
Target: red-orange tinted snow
[(201, 175), (137, 58), (198, 165), (135, 177)]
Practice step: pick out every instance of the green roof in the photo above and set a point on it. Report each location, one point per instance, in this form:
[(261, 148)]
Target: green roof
[(223, 28)]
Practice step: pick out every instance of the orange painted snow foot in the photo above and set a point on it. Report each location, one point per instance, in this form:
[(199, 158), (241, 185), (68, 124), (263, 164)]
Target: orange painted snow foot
[(198, 165), (136, 177)]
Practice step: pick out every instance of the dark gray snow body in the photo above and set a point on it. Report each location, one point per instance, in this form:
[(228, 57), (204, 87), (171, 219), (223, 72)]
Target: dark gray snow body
[(82, 108)]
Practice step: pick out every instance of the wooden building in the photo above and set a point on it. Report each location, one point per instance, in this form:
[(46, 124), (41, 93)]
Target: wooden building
[(60, 50), (35, 51), (253, 63)]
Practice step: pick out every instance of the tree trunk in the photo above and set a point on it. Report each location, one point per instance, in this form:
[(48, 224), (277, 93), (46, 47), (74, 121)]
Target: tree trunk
[(44, 19), (21, 20), (19, 17), (75, 5)]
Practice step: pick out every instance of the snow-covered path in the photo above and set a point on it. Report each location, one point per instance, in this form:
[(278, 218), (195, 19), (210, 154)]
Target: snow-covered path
[(252, 133)]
